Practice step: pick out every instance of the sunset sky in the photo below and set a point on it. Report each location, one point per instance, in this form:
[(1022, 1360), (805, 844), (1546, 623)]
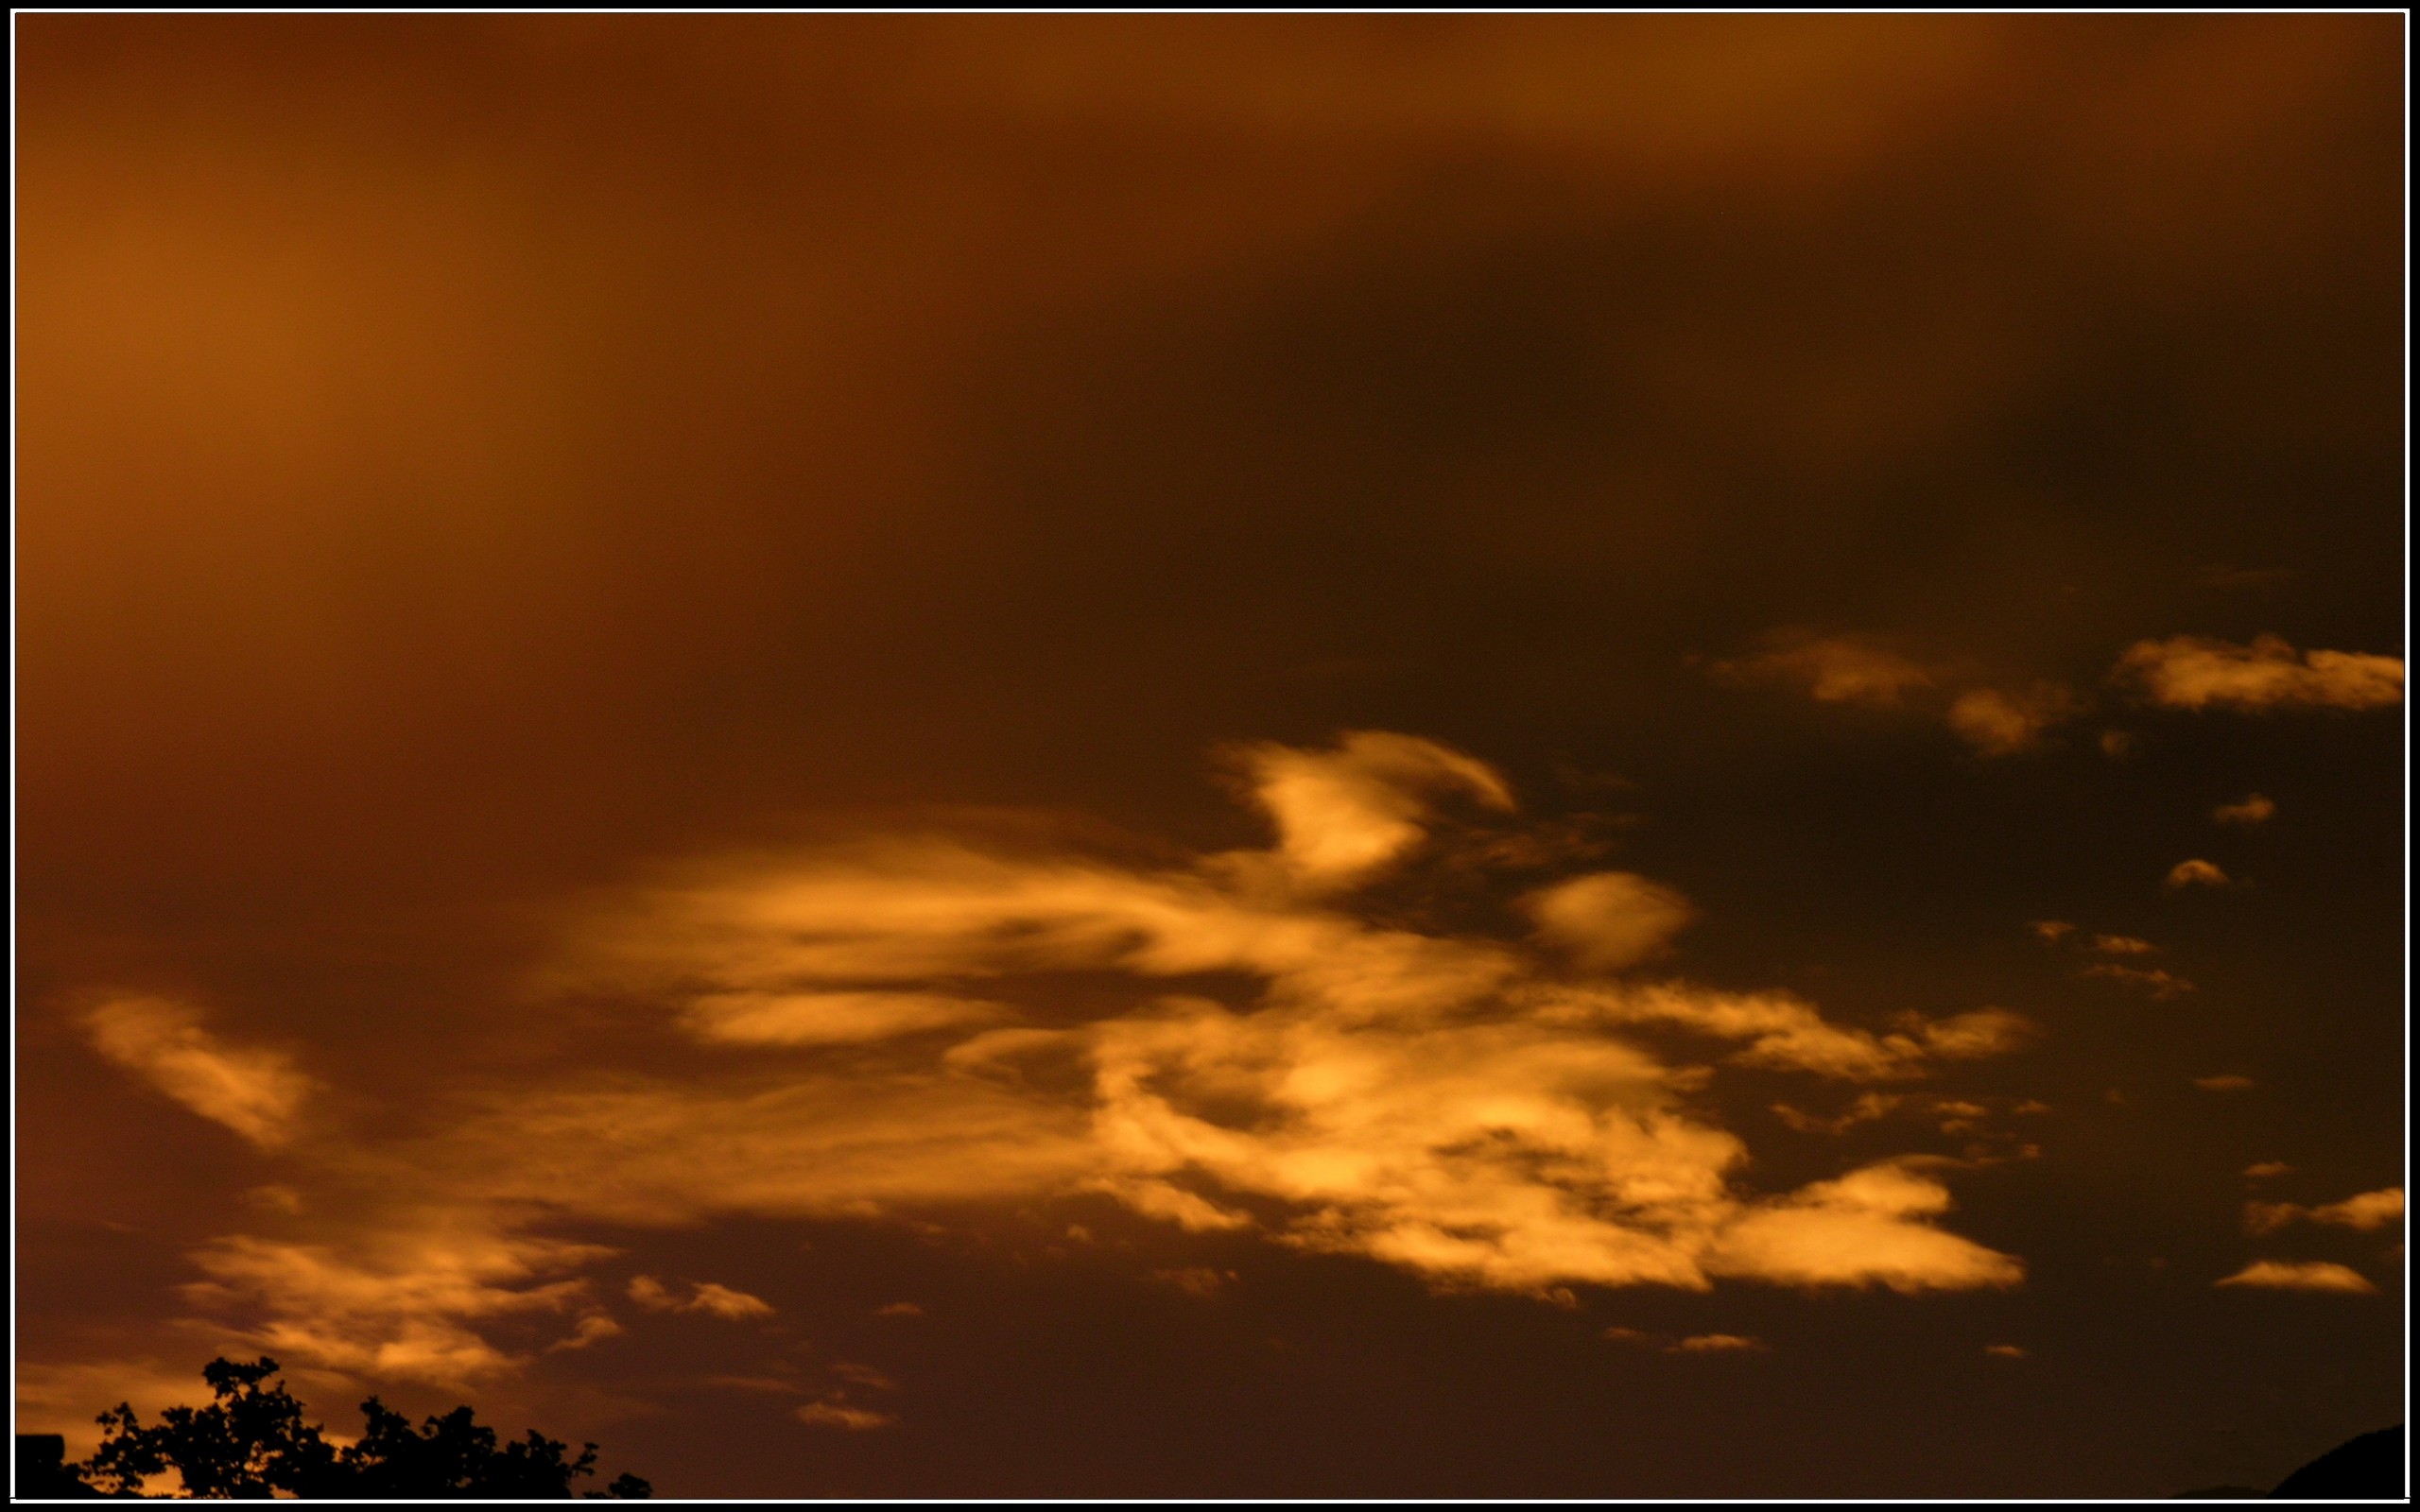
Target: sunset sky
[(1226, 755)]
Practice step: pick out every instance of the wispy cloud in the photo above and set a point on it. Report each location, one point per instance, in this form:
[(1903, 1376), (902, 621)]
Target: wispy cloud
[(1999, 722), (2193, 672), (2196, 873), (2367, 1211), (2162, 985), (1475, 1112), (1831, 668), (256, 1092), (2300, 1276), (2251, 809)]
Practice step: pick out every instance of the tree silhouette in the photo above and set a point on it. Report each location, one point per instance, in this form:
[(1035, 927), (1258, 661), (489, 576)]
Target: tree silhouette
[(253, 1441)]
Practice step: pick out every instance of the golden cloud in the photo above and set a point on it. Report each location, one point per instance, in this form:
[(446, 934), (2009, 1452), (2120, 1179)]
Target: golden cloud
[(2192, 672), (2367, 1211), (1457, 1106), (255, 1093), (2196, 873), (1999, 723), (2252, 809), (2299, 1276), (1832, 669)]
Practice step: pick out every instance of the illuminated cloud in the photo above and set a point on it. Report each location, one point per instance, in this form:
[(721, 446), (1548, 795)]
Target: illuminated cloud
[(2050, 930), (2366, 1212), (841, 1414), (2266, 1169), (1458, 1107), (255, 1093), (396, 1305), (2251, 809), (2299, 1276), (2191, 671), (1858, 1231), (1717, 1344), (1998, 723), (1832, 669), (705, 1297), (2162, 985), (2122, 945), (1611, 920), (2006, 1351), (1344, 813), (2224, 1084), (2196, 873)]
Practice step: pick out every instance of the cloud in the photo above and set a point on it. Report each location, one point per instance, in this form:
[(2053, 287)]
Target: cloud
[(828, 1017), (899, 1310), (1832, 669), (2299, 1276), (705, 1297), (2196, 873), (1343, 814), (2266, 1169), (2366, 1212), (2006, 1351), (2050, 930), (1998, 723), (2191, 671), (1609, 919), (393, 1304), (1717, 1344), (2251, 809), (1857, 1230), (2122, 945), (2224, 1084), (258, 1093), (2164, 985), (1459, 1107), (841, 1414)]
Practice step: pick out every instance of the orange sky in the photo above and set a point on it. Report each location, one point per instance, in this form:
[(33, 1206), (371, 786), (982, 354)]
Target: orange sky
[(1222, 755)]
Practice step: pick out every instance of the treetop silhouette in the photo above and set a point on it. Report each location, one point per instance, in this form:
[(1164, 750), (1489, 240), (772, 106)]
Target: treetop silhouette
[(253, 1441)]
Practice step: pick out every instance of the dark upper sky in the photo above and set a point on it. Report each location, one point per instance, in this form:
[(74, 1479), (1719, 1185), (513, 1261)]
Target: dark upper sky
[(1222, 755)]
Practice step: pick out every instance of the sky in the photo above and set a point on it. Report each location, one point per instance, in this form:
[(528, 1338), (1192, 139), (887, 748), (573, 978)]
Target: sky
[(1343, 756)]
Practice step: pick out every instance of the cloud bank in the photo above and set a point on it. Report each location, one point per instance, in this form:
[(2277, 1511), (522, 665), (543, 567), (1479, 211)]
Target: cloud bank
[(1251, 1054)]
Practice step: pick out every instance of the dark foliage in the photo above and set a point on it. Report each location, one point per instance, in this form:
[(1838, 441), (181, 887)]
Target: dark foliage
[(253, 1441)]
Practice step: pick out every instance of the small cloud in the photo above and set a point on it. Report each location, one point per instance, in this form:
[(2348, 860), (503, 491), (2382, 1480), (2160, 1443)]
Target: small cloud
[(2196, 873), (863, 1375), (2050, 930), (2192, 672), (2006, 1351), (2267, 1169), (2252, 809), (841, 1414), (2164, 985), (1623, 1335), (586, 1332), (1609, 919), (257, 1094), (2117, 743), (2366, 1212), (1716, 1344), (705, 1297), (1832, 669), (1196, 1280), (2225, 1084), (2007, 724), (899, 1310), (2299, 1276), (2122, 945)]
